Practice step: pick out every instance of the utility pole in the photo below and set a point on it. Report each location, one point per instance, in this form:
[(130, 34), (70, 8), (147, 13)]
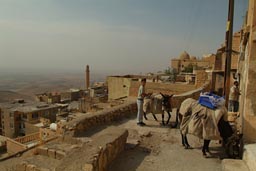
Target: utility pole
[(229, 39)]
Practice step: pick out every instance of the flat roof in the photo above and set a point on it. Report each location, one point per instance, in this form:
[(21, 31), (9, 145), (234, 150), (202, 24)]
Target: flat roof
[(27, 106), (131, 76)]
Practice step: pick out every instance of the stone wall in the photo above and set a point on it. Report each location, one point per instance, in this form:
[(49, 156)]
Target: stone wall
[(247, 71), (91, 120), (118, 87), (178, 99), (201, 78), (161, 87)]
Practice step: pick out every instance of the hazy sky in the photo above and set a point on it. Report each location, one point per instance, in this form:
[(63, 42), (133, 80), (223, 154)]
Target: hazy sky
[(115, 36)]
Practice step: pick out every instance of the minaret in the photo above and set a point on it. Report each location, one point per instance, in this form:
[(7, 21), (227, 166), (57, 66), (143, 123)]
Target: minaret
[(87, 77)]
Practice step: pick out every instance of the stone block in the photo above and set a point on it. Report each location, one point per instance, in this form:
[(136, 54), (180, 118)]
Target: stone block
[(41, 169), (52, 153), (233, 165), (30, 167), (42, 151), (21, 166), (88, 167), (249, 156), (60, 154)]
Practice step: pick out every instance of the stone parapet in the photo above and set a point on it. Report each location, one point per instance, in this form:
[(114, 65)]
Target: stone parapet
[(91, 120)]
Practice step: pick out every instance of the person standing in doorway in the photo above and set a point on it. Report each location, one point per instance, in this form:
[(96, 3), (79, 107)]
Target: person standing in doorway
[(140, 99), (234, 97)]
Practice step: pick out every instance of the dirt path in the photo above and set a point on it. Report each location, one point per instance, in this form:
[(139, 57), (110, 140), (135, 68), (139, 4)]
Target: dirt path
[(160, 149)]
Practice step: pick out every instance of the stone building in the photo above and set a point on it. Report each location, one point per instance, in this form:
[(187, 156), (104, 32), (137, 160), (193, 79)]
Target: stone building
[(184, 60), (217, 74), (85, 105), (20, 118), (72, 95), (48, 97), (120, 86), (1, 132), (247, 74)]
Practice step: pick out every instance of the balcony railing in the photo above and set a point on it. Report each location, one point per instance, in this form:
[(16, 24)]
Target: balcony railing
[(28, 138)]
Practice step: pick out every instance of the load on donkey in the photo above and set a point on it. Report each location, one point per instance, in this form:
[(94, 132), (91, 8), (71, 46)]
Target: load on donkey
[(208, 124)]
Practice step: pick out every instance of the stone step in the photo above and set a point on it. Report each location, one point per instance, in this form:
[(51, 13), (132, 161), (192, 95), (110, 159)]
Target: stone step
[(249, 156), (37, 163), (234, 165), (98, 153)]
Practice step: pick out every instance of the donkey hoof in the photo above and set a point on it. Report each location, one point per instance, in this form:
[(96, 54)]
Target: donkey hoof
[(188, 147), (205, 155), (207, 151)]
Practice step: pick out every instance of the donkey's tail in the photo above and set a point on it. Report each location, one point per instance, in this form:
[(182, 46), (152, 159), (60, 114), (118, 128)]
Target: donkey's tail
[(176, 123)]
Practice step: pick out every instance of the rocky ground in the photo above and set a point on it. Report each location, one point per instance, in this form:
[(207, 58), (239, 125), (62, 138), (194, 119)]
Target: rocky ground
[(151, 148)]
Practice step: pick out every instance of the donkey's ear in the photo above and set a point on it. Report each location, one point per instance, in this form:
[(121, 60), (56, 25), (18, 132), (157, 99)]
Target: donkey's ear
[(171, 95), (162, 94)]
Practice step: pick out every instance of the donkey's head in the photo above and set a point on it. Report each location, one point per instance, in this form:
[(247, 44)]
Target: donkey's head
[(232, 141), (166, 101), (233, 146)]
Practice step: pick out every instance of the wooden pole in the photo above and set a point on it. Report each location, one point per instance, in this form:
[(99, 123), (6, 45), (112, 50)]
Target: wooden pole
[(229, 39)]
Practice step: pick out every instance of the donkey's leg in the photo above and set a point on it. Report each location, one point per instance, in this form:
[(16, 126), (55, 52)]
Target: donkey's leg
[(182, 139), (169, 116), (177, 119), (145, 116), (163, 117), (205, 147), (154, 116), (185, 141), (187, 146)]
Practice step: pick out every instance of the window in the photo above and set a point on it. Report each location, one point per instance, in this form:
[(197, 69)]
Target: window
[(46, 114), (34, 115), (18, 118), (11, 125), (22, 125), (24, 116), (11, 114)]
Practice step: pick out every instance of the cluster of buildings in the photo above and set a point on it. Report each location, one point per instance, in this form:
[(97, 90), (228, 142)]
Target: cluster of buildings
[(212, 64), (185, 60), (31, 121), (243, 70), (20, 118)]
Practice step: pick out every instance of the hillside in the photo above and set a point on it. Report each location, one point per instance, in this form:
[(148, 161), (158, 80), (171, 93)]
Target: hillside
[(6, 96)]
